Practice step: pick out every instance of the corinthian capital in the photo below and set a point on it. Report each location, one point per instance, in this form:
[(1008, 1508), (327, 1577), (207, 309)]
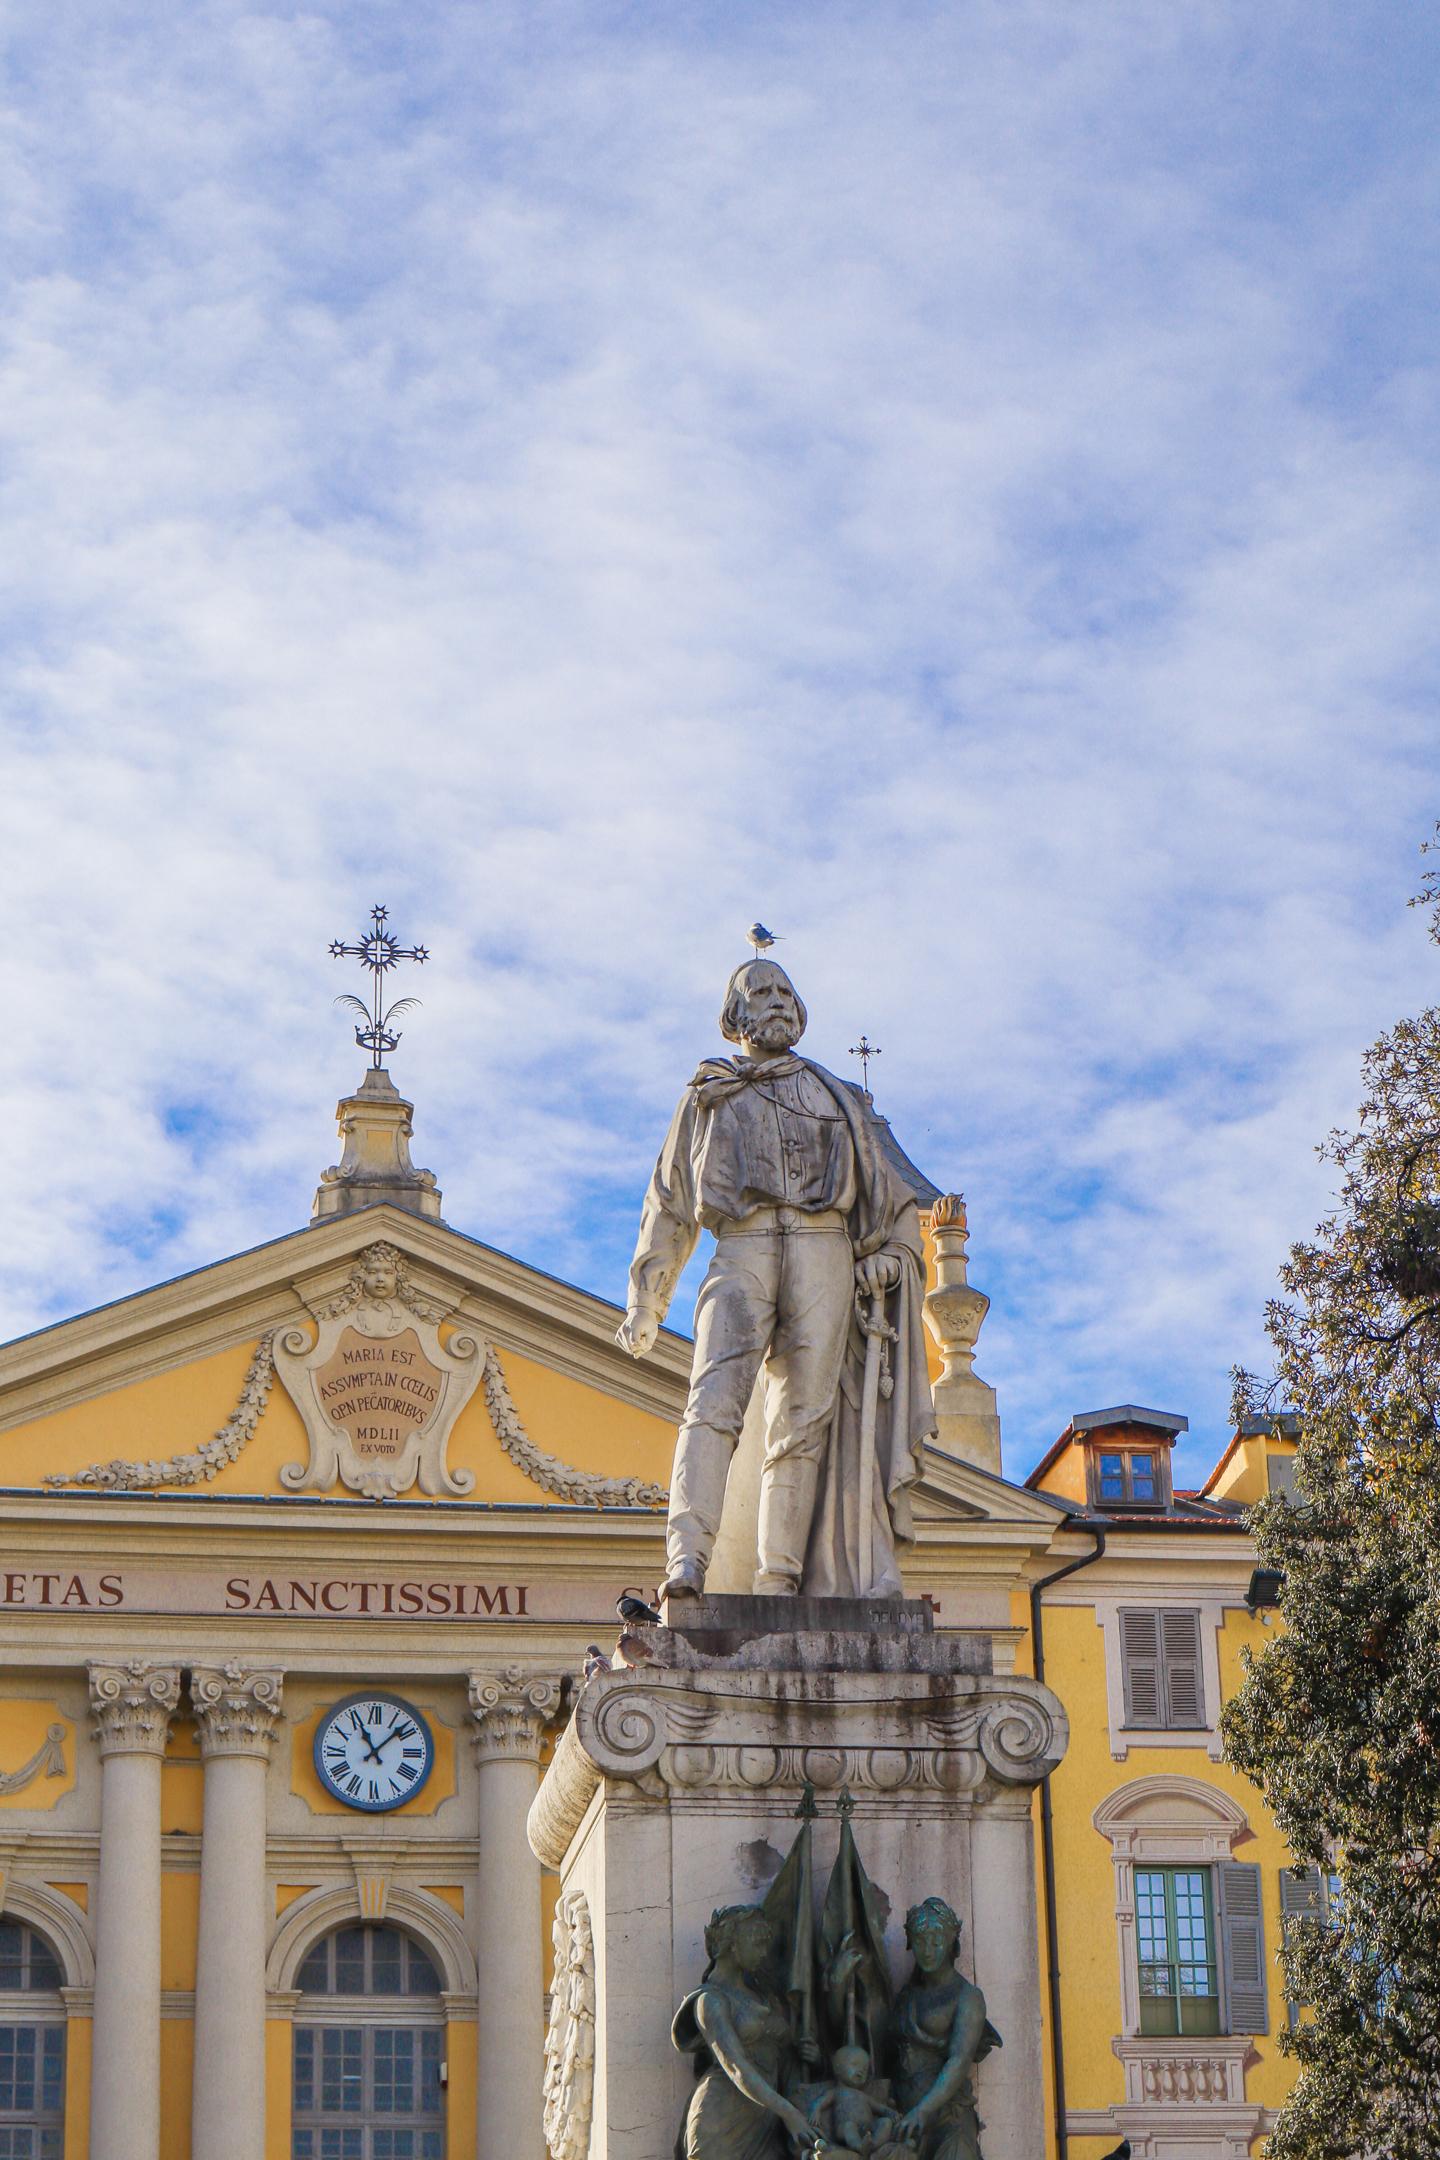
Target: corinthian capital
[(236, 1707), (131, 1706), (511, 1708)]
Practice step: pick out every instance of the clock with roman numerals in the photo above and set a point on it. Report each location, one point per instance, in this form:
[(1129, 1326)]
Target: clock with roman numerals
[(373, 1751)]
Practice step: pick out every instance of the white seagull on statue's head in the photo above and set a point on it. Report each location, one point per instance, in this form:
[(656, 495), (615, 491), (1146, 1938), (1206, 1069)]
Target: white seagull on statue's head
[(761, 938)]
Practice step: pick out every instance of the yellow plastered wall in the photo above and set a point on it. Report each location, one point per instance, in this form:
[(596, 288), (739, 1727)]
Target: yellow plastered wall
[(305, 1781), (179, 1927), (78, 2032), (25, 1723), (1065, 1478), (177, 2064), (461, 2096), (172, 1412), (182, 1782), (1243, 1475), (1084, 1870), (279, 2064)]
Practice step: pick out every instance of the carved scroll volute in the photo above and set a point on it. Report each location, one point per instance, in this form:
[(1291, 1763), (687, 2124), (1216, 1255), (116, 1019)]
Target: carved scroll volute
[(1022, 1738), (620, 1724)]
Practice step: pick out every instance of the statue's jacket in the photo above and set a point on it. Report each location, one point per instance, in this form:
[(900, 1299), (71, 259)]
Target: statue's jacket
[(738, 1124)]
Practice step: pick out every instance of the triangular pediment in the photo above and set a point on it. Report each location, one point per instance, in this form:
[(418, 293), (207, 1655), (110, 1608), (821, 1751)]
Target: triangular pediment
[(158, 1375), (952, 1491)]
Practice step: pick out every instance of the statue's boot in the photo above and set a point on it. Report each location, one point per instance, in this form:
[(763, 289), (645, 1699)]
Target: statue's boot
[(787, 1503)]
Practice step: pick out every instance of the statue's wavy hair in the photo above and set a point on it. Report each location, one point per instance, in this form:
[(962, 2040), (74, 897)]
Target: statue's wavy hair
[(722, 1925), (935, 1908), (732, 1012)]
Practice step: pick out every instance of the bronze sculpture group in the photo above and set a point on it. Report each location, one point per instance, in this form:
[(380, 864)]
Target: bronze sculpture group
[(800, 2045)]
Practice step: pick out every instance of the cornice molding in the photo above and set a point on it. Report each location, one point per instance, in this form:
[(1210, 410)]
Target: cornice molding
[(241, 1298)]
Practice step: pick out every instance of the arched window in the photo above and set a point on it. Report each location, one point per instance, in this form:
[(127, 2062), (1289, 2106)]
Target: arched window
[(369, 2038), (32, 2046)]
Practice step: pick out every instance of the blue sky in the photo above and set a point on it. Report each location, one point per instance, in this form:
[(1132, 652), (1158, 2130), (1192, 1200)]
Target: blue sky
[(955, 481)]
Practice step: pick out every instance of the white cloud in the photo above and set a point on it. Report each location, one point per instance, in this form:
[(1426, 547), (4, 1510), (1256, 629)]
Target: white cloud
[(958, 482)]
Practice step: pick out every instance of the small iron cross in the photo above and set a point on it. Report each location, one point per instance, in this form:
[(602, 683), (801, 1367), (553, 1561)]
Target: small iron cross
[(865, 1050), (377, 950)]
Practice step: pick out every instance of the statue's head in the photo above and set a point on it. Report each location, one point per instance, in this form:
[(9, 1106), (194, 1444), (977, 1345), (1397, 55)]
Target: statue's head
[(741, 1933), (762, 1007), (932, 1930), (852, 2067)]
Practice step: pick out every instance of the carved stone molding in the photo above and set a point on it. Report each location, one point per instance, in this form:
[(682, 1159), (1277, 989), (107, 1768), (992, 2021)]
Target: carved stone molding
[(511, 1708), (943, 1741), (1181, 2096), (198, 1465), (131, 1706), (378, 1390), (570, 2036), (49, 1757), (582, 1488), (236, 1707)]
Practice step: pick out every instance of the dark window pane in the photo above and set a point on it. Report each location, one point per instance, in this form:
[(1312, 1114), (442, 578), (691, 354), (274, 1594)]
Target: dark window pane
[(386, 1950), (315, 1972), (350, 1961), (1143, 1483), (1112, 1477), (421, 1978)]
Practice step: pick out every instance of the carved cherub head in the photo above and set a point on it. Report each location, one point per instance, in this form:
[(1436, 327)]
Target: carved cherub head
[(379, 1273), (762, 1009)]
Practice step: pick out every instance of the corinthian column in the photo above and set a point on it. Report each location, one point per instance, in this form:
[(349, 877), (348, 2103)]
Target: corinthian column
[(132, 1705), (236, 1707), (511, 1708)]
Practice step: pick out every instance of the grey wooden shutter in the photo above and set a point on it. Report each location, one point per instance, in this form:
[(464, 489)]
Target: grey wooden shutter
[(1140, 1667), (1299, 1900), (1242, 1946), (1184, 1691)]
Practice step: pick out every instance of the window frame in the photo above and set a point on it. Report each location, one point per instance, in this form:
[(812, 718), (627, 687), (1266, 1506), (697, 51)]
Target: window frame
[(1097, 1451), (366, 2016), (1169, 1875), (38, 2008)]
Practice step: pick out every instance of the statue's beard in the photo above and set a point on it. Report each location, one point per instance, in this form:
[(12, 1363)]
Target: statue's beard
[(775, 1035)]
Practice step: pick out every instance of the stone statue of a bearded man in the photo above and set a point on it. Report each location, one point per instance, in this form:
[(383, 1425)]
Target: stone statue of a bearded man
[(815, 1211)]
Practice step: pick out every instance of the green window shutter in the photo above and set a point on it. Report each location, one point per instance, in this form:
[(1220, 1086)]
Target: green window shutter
[(1242, 1946), (1300, 1899), (1140, 1667), (1184, 1690)]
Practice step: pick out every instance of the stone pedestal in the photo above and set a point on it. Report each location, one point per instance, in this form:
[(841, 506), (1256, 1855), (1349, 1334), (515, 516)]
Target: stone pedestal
[(674, 1791)]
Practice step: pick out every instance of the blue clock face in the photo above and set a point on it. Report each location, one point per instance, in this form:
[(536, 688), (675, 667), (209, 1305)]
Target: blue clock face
[(374, 1751)]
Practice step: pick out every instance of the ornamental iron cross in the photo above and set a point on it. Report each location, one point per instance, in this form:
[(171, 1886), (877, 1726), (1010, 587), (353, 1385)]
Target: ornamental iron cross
[(378, 951), (865, 1050)]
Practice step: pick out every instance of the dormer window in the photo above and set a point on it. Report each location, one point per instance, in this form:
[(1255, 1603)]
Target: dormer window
[(1129, 1477)]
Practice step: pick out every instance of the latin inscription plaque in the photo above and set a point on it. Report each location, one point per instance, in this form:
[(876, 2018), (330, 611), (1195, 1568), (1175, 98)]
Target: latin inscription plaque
[(379, 1388)]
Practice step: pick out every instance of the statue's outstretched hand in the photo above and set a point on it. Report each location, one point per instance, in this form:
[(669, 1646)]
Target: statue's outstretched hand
[(637, 1331)]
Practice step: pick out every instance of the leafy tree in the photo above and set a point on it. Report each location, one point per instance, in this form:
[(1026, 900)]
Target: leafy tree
[(1338, 1718)]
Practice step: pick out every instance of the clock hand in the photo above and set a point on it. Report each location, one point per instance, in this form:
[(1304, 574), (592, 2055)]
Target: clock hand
[(374, 1752)]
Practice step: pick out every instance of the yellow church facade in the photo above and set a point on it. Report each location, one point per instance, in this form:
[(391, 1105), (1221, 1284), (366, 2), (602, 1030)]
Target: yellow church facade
[(304, 1554)]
